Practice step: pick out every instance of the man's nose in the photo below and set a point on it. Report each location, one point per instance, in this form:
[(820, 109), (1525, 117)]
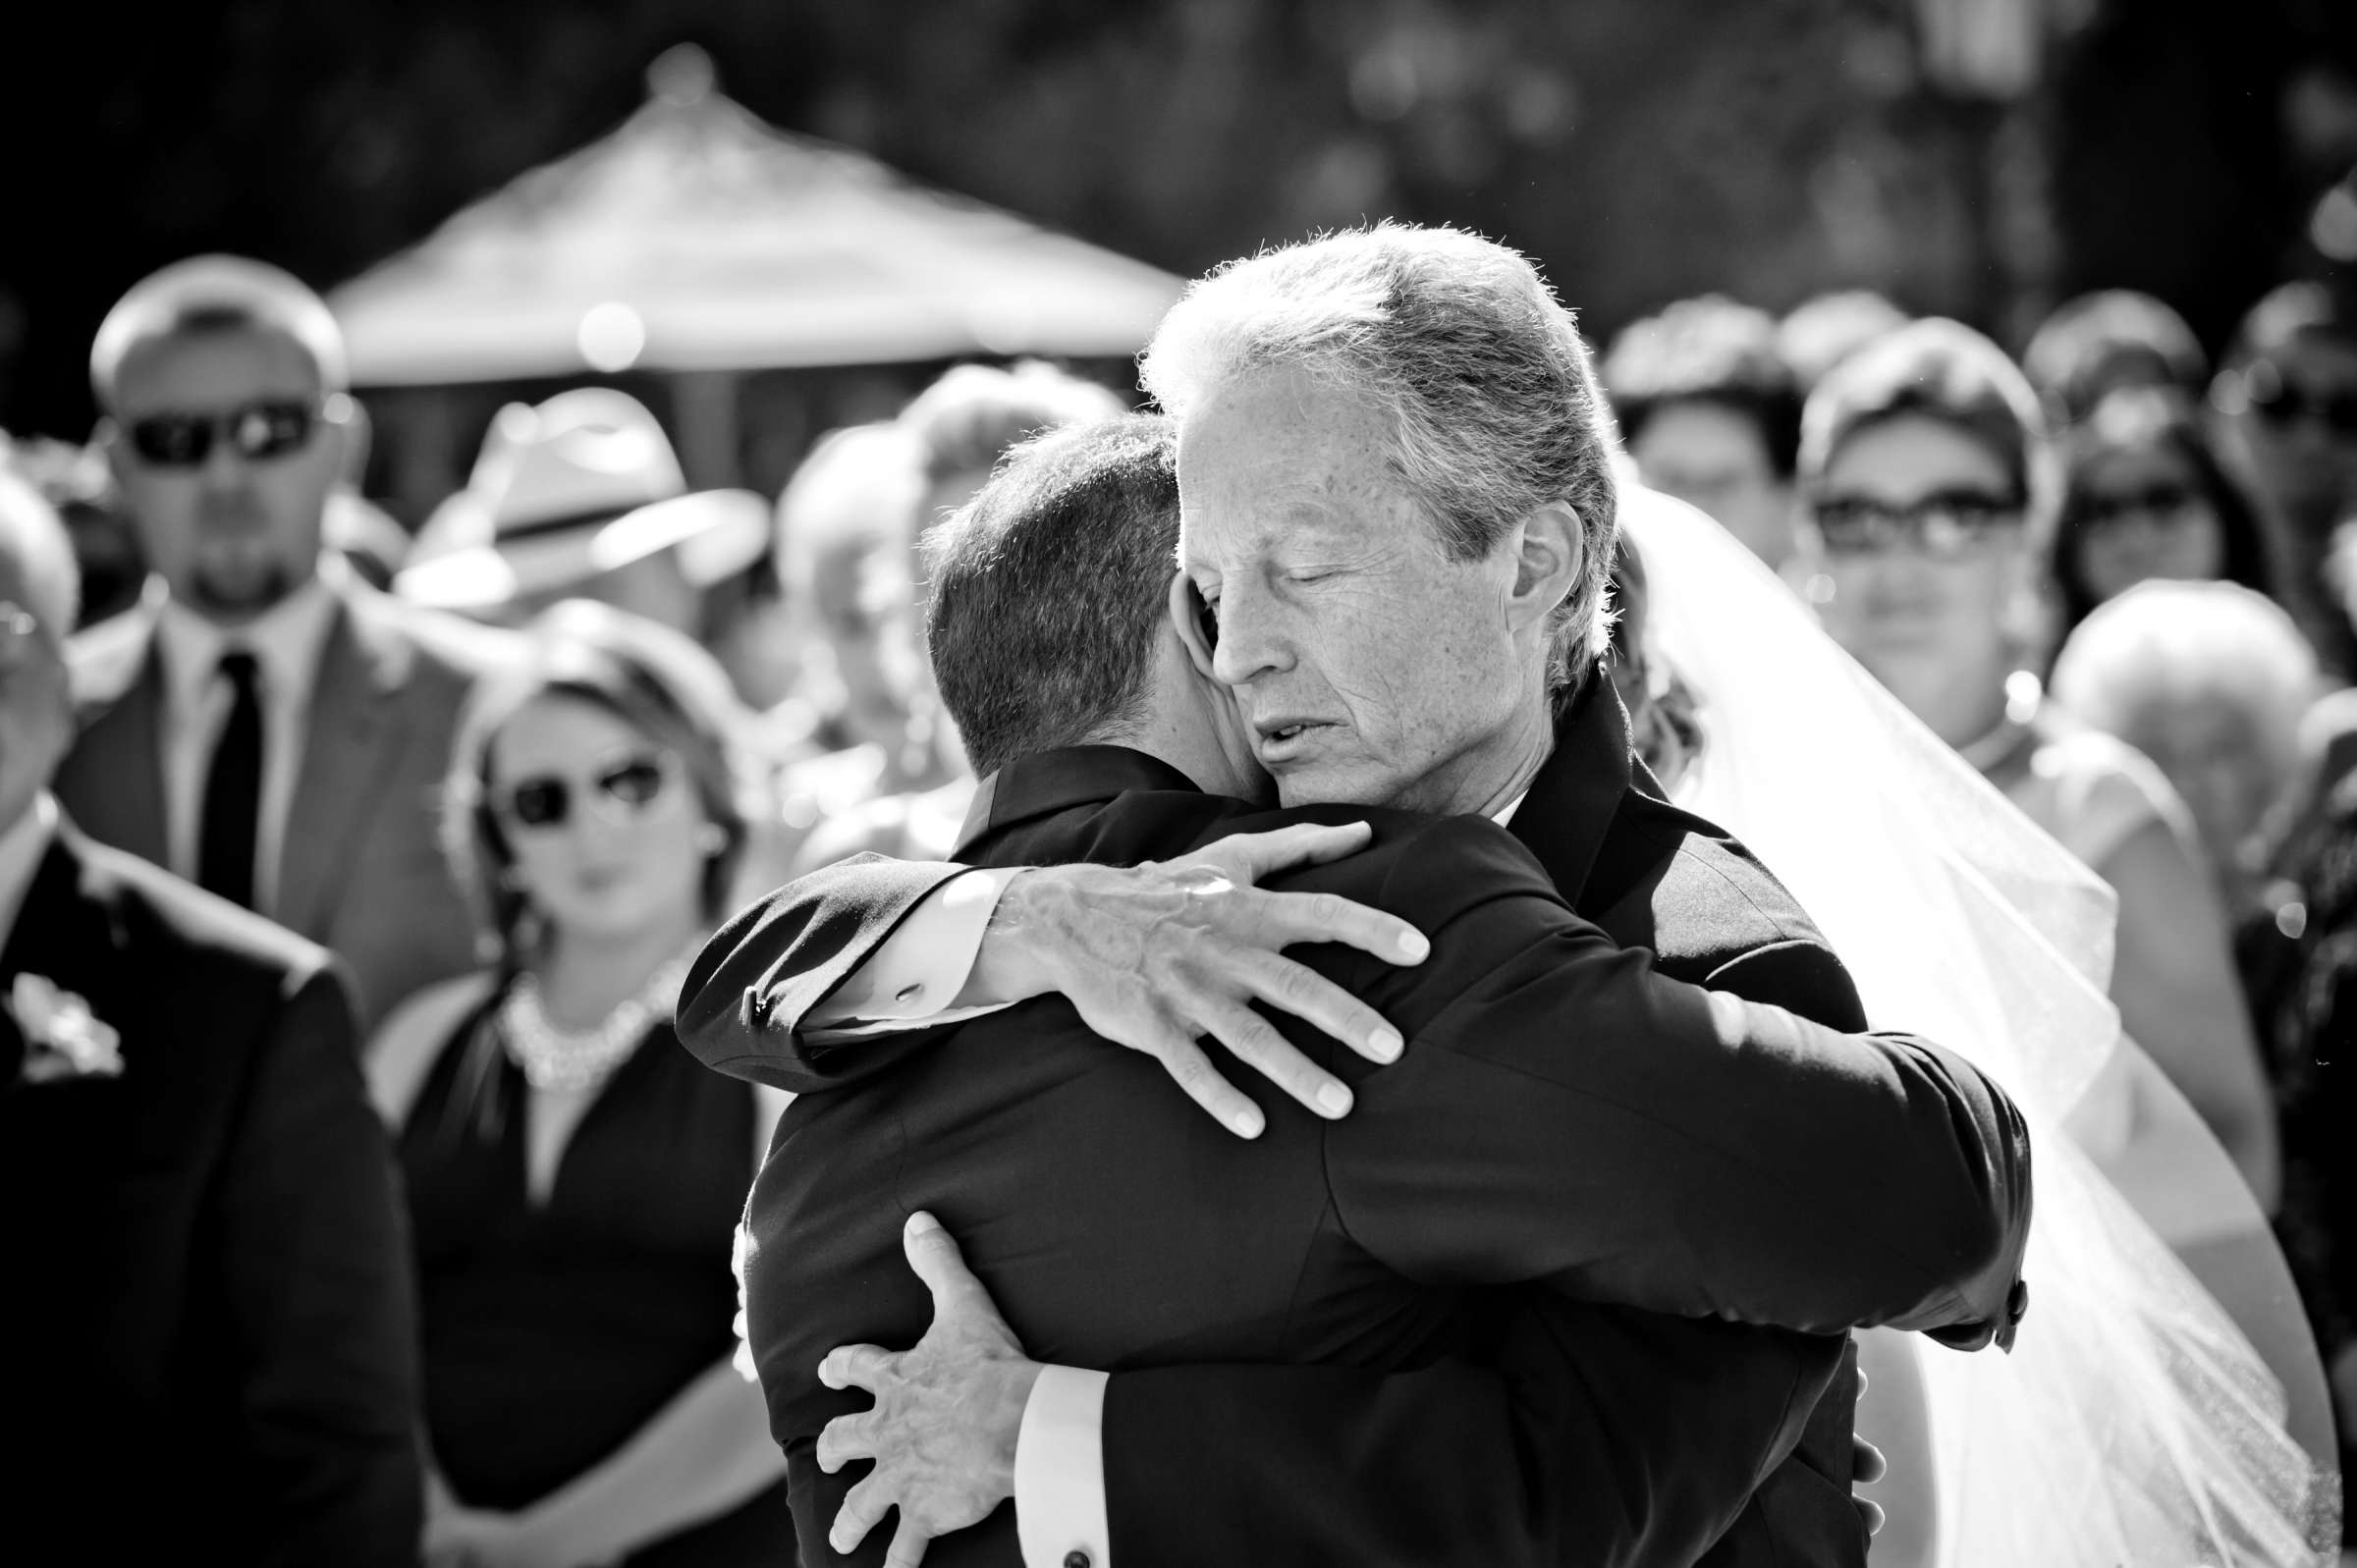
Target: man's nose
[(224, 467), (1253, 640)]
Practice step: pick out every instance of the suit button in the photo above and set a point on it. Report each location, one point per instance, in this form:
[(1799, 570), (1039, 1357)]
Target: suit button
[(2017, 1301), (1075, 1559)]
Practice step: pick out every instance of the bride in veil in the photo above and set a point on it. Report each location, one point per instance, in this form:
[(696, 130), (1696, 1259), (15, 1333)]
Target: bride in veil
[(2135, 1422)]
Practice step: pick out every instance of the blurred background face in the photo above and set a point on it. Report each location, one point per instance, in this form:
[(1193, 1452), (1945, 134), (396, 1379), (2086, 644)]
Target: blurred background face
[(2141, 512), (862, 605), (1922, 614), (2301, 425), (1713, 457), (2227, 761), (233, 535), (620, 857), (36, 707)]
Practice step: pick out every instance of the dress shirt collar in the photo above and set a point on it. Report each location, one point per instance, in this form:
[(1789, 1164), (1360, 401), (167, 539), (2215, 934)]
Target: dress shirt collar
[(23, 843), (285, 640), (1050, 782)]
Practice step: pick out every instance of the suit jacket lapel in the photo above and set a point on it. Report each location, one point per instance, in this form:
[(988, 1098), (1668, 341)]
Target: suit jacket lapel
[(353, 733), (116, 773)]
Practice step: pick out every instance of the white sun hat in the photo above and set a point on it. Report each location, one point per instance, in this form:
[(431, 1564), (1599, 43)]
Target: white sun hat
[(582, 484)]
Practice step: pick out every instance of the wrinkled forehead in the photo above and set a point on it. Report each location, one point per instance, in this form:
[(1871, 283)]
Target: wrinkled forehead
[(1277, 459), (206, 368)]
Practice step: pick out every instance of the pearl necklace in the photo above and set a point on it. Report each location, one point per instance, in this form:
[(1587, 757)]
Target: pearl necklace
[(553, 1056)]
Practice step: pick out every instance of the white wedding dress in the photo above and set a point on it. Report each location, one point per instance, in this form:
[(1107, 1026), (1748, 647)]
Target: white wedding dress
[(2134, 1422)]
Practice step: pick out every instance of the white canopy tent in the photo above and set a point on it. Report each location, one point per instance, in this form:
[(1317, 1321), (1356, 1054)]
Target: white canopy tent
[(698, 238)]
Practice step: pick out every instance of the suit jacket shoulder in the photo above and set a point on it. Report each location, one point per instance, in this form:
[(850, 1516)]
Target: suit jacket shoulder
[(170, 910), (1713, 915), (104, 660)]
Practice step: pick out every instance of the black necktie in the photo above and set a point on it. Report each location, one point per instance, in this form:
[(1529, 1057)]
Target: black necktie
[(233, 788)]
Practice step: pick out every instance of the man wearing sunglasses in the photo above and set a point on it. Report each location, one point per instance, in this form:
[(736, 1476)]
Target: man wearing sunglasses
[(264, 724)]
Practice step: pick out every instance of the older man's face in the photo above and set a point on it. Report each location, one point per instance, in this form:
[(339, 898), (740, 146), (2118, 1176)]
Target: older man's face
[(1369, 666)]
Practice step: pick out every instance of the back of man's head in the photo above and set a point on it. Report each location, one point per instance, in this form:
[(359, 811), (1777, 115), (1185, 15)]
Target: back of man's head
[(1051, 589), (1492, 406), (216, 294)]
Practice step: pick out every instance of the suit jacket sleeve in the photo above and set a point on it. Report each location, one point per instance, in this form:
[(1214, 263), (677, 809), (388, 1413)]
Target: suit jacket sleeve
[(318, 1296), (1534, 1459), (742, 1008), (1569, 1118)]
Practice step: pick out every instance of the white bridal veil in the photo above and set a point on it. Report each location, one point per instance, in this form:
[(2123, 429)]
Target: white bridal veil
[(2135, 1420)]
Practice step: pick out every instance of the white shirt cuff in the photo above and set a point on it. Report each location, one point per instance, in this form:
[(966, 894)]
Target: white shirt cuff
[(910, 981), (1060, 1471)]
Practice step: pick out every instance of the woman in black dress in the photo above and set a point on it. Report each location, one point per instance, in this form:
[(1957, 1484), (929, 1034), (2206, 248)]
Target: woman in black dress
[(574, 1177)]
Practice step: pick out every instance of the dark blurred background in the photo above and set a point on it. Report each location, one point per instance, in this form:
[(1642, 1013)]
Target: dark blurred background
[(1982, 158)]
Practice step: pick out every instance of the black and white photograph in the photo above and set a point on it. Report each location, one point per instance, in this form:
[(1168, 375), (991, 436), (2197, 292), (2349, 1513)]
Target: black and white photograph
[(1338, 783)]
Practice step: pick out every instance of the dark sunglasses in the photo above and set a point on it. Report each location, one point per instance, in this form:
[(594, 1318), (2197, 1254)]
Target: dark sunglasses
[(621, 793), (1943, 524), (257, 431), (2164, 497), (2283, 404)]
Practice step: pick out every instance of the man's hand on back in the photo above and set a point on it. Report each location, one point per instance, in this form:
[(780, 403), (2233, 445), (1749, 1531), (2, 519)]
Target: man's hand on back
[(1155, 957), (948, 1412)]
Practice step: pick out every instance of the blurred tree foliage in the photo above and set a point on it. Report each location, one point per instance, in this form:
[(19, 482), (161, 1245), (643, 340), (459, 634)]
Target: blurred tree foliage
[(1642, 149)]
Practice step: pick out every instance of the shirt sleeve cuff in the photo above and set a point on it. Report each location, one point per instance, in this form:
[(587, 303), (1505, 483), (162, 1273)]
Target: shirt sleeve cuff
[(910, 981), (1060, 1471)]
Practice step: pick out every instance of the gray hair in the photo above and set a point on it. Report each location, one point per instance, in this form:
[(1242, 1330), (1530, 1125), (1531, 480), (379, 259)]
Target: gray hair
[(2179, 642), (1460, 343)]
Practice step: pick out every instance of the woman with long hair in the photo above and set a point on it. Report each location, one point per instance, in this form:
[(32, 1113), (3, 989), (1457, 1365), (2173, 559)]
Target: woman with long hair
[(2146, 495), (574, 1177)]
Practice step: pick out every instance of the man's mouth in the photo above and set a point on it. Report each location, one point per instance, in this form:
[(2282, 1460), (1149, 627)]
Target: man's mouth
[(1282, 738)]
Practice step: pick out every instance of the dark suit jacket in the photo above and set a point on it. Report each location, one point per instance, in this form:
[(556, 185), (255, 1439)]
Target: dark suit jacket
[(361, 870), (1058, 1178), (211, 1342)]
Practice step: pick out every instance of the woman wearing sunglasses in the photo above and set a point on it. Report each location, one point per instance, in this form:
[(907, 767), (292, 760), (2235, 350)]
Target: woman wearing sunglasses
[(1928, 483), (574, 1177), (2143, 497)]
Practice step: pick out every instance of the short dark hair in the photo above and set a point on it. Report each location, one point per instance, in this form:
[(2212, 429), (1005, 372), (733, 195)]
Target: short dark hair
[(1707, 350), (1051, 586)]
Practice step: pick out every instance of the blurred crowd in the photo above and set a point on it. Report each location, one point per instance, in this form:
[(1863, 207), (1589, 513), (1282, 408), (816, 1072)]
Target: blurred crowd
[(512, 770)]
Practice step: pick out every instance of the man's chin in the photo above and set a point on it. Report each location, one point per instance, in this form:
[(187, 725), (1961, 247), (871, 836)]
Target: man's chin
[(240, 592), (1329, 785)]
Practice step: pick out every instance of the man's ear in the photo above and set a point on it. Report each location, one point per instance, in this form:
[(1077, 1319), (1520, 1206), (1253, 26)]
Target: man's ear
[(1550, 550), (1189, 615)]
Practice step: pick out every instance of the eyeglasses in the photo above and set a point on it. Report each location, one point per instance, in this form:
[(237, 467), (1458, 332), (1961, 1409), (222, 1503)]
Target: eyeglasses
[(1945, 523), (2163, 499), (257, 431), (2283, 404), (620, 793)]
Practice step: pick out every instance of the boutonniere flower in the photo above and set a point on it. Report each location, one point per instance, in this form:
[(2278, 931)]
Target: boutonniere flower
[(63, 1038)]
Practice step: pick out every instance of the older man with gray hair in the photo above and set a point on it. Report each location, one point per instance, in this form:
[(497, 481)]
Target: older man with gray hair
[(1398, 524)]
